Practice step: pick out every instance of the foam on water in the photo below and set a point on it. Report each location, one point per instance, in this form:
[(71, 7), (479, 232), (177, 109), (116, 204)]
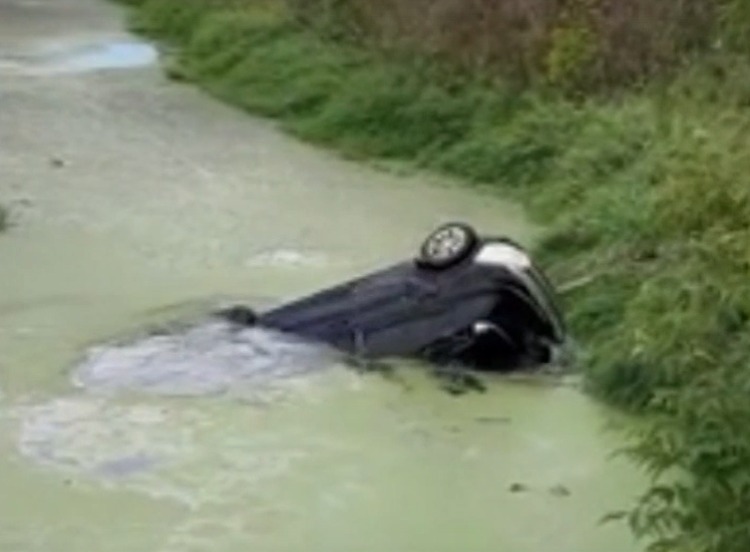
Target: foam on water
[(206, 359)]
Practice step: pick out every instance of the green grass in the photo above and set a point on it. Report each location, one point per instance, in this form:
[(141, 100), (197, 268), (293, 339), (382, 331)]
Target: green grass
[(644, 197)]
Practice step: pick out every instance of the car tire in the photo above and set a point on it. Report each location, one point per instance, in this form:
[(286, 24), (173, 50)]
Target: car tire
[(446, 246)]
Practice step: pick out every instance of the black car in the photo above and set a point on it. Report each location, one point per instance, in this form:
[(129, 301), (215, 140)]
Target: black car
[(475, 300)]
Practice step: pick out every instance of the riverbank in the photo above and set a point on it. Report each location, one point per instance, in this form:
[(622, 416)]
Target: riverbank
[(644, 193)]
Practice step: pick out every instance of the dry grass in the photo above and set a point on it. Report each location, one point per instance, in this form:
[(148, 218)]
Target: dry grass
[(583, 44)]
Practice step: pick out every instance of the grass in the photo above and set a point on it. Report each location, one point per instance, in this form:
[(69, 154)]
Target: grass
[(645, 196)]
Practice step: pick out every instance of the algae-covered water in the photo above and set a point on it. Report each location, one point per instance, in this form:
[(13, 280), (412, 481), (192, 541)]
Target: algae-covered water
[(137, 203)]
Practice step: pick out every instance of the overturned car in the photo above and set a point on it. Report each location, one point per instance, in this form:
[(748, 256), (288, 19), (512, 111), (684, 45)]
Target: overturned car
[(464, 298)]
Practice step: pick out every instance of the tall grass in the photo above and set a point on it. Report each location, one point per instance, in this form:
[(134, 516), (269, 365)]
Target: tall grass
[(645, 194), (582, 44)]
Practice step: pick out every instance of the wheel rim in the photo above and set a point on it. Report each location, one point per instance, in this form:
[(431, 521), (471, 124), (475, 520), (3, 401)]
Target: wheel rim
[(446, 243)]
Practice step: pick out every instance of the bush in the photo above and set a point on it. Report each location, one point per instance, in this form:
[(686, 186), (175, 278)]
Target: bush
[(698, 451)]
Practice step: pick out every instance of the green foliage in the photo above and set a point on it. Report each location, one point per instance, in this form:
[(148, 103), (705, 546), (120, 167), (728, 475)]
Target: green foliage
[(698, 452), (3, 218), (170, 20), (735, 21), (390, 112), (572, 49), (517, 149)]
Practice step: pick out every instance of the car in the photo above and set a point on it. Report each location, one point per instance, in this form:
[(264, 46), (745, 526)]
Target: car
[(464, 298)]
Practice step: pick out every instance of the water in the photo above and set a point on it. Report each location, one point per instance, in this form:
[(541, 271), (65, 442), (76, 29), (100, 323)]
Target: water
[(139, 203), (209, 358), (61, 58)]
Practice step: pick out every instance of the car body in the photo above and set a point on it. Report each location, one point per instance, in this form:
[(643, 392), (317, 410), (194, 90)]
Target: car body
[(476, 300)]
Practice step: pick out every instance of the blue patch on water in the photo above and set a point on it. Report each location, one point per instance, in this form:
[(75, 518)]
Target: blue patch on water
[(112, 55), (126, 466)]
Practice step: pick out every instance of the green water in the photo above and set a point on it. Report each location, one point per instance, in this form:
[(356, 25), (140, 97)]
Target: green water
[(168, 203)]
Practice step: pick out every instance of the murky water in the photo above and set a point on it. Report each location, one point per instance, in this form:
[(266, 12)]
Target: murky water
[(139, 202)]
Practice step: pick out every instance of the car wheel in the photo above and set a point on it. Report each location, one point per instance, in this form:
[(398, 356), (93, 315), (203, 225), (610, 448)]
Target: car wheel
[(446, 246)]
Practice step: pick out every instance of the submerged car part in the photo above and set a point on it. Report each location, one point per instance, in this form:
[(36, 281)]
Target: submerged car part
[(466, 298)]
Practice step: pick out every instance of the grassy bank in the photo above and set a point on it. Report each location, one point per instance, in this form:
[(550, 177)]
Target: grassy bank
[(645, 192)]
